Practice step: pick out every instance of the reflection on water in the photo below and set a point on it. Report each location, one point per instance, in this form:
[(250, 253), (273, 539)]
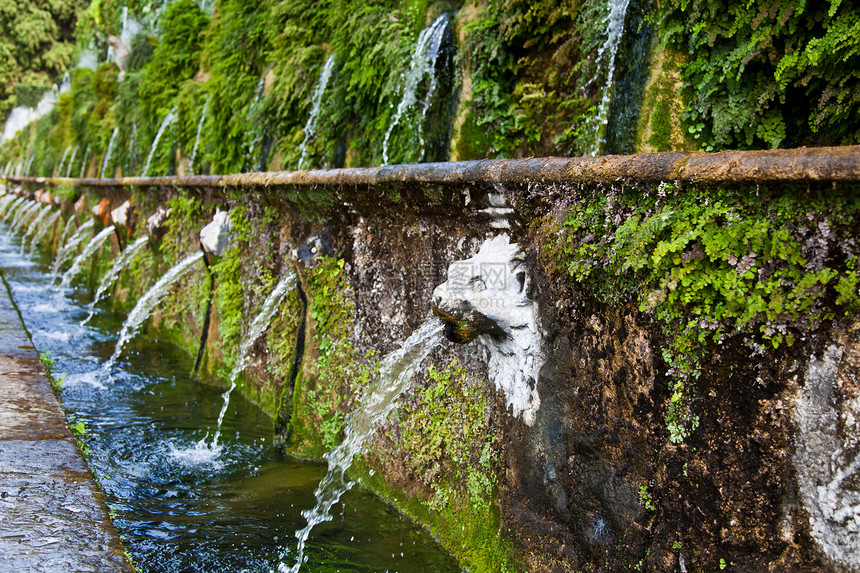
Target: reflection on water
[(229, 515)]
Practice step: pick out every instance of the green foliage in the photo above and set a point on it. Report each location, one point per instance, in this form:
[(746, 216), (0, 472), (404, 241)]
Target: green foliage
[(37, 44), (531, 63), (175, 59), (768, 73), (645, 496), (372, 43), (236, 53), (712, 263)]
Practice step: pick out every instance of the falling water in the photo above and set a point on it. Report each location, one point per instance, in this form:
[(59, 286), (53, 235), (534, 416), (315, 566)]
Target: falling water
[(63, 160), (24, 215), (5, 201), (202, 452), (71, 161), (84, 164), (34, 224), (147, 303), (197, 138), (614, 32), (259, 324), (168, 119), (16, 203), (70, 246), (48, 224), (118, 265), (423, 63), (394, 376), (256, 129), (131, 166), (311, 125), (109, 152), (88, 251)]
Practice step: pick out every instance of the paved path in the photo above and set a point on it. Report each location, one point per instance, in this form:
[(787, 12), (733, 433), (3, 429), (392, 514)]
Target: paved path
[(53, 517)]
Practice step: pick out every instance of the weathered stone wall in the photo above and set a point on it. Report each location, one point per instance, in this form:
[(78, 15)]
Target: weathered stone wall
[(593, 482)]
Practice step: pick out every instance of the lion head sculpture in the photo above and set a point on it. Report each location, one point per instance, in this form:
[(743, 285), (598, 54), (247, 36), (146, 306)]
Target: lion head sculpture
[(486, 297)]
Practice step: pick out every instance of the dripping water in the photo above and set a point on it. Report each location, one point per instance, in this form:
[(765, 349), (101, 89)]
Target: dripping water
[(109, 152), (84, 164), (608, 50), (197, 138), (71, 161), (423, 63), (63, 161)]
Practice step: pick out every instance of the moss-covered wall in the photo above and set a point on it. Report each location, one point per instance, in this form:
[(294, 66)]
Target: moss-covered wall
[(679, 324)]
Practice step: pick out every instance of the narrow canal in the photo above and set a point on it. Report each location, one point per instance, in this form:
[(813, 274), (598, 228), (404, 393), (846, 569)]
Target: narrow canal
[(175, 513)]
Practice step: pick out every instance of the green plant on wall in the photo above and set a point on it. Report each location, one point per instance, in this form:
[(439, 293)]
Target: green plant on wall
[(768, 73), (711, 263), (530, 64), (444, 436)]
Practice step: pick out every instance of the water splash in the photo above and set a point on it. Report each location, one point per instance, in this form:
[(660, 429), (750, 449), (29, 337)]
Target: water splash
[(48, 224), (116, 268), (197, 138), (70, 246), (88, 251), (72, 161), (395, 373), (614, 32), (423, 63), (34, 224), (168, 119), (63, 161), (109, 152), (147, 303), (316, 101)]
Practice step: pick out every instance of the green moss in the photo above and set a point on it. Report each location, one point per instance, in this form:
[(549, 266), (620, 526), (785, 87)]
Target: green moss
[(712, 263), (442, 434), (333, 372)]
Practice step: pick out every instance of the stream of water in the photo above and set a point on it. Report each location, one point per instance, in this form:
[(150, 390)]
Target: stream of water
[(88, 251), (381, 398), (229, 517)]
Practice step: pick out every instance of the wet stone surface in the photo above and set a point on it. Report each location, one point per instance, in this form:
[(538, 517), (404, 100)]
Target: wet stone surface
[(52, 515)]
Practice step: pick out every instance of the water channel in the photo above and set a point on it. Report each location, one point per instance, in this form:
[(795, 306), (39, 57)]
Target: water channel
[(235, 513)]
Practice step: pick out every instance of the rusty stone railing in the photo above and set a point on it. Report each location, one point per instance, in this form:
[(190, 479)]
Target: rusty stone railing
[(819, 164)]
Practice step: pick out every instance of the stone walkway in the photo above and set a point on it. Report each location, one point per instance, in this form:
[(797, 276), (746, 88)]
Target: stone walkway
[(53, 517)]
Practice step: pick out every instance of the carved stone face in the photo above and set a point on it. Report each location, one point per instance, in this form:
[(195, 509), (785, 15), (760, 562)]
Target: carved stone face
[(485, 294), (486, 297)]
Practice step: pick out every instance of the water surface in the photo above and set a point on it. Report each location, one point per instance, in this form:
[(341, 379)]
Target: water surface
[(235, 514)]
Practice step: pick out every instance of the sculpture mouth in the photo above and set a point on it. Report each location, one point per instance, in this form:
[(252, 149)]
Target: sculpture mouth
[(466, 324)]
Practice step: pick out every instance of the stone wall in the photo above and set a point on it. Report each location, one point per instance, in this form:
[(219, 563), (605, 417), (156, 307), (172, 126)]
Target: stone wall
[(590, 480)]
